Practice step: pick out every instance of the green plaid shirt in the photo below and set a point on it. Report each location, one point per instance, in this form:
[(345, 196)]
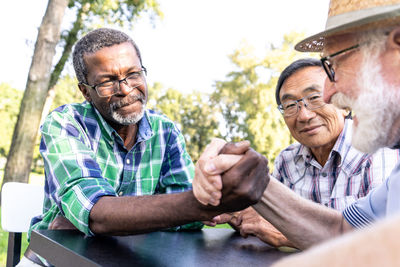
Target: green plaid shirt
[(85, 159)]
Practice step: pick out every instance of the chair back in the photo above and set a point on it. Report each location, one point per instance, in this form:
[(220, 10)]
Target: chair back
[(20, 202)]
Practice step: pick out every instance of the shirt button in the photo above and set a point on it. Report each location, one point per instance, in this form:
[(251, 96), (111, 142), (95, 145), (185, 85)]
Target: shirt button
[(324, 174), (128, 161), (120, 193)]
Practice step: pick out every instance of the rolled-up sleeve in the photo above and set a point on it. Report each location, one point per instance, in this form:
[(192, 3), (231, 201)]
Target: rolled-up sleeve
[(74, 178)]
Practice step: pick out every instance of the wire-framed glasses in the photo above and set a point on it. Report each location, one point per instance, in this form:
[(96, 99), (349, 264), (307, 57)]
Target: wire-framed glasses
[(311, 102)]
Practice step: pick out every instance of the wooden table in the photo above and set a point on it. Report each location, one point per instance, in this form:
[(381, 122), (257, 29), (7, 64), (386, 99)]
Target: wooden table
[(209, 247)]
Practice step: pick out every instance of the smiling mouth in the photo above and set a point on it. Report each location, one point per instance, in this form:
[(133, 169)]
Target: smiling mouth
[(123, 103), (308, 129), (128, 104)]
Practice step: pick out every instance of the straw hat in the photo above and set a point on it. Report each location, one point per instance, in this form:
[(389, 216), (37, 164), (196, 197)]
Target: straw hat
[(346, 16)]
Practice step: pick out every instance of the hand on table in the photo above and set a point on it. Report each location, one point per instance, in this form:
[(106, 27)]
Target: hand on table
[(251, 223), (230, 218)]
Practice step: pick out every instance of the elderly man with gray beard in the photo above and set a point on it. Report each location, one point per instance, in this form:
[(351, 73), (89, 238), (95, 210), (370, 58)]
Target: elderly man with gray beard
[(322, 165), (361, 55)]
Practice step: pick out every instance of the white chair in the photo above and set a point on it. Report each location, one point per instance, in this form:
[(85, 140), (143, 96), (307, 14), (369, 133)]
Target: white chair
[(20, 202)]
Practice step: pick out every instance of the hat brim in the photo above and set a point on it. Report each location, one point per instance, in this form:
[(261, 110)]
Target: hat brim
[(316, 43)]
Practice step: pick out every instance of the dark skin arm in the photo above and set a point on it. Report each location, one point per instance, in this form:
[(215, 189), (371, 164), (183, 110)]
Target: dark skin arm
[(139, 214), (244, 184)]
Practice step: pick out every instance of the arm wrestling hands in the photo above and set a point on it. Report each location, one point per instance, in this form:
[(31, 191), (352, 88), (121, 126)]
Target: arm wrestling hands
[(302, 221), (231, 175), (207, 187)]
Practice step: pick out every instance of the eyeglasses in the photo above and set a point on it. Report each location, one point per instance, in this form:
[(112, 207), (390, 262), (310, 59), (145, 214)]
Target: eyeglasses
[(327, 63), (311, 102), (109, 88)]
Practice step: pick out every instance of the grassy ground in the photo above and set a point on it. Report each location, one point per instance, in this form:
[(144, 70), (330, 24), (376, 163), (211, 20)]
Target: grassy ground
[(219, 226)]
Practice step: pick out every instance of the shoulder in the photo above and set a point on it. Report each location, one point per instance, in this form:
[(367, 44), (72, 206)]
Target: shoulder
[(387, 152), (289, 153), (159, 121), (385, 157), (70, 114), (72, 110)]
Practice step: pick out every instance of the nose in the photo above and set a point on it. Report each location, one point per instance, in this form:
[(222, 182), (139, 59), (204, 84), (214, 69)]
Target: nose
[(304, 113), (124, 88), (329, 90)]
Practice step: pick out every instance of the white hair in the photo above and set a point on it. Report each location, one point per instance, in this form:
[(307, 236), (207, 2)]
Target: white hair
[(375, 106)]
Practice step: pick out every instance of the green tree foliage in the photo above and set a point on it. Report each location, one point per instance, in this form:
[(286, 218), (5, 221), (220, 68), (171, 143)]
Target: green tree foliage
[(91, 14), (192, 112), (10, 99), (246, 98), (67, 91)]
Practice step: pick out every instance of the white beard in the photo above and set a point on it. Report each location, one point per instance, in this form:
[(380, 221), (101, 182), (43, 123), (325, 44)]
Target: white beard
[(375, 108), (130, 119)]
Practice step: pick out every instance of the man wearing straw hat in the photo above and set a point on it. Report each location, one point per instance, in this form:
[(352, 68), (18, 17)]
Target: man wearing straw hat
[(322, 165), (361, 56)]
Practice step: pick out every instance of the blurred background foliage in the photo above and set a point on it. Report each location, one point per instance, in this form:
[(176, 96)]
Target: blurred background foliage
[(242, 106)]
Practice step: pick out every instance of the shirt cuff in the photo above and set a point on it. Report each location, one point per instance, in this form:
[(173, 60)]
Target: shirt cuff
[(355, 217)]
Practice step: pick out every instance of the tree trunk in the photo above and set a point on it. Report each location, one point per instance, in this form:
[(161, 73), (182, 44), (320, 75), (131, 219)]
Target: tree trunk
[(69, 43), (19, 159), (58, 68)]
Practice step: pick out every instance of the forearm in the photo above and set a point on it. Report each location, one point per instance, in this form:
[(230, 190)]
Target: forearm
[(303, 222), (140, 214), (372, 246)]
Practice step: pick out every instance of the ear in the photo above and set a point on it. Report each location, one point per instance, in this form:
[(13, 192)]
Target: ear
[(394, 38), (85, 92)]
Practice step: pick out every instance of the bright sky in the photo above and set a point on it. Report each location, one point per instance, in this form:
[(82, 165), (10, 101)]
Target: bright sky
[(188, 49)]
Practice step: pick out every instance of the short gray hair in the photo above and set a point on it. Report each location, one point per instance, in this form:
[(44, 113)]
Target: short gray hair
[(93, 42)]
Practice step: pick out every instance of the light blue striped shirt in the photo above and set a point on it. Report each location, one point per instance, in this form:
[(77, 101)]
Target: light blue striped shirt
[(379, 203)]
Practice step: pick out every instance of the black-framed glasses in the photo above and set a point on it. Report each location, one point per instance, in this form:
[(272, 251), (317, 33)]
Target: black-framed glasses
[(311, 102), (327, 64), (109, 88)]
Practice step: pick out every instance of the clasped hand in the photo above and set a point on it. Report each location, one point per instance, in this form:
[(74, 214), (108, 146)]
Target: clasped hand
[(230, 176)]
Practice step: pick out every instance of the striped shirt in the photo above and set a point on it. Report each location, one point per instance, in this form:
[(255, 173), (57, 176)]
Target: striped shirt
[(347, 175), (382, 202), (85, 159)]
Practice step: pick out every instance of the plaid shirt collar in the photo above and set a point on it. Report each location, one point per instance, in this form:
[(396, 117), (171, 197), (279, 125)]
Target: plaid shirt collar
[(341, 148)]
